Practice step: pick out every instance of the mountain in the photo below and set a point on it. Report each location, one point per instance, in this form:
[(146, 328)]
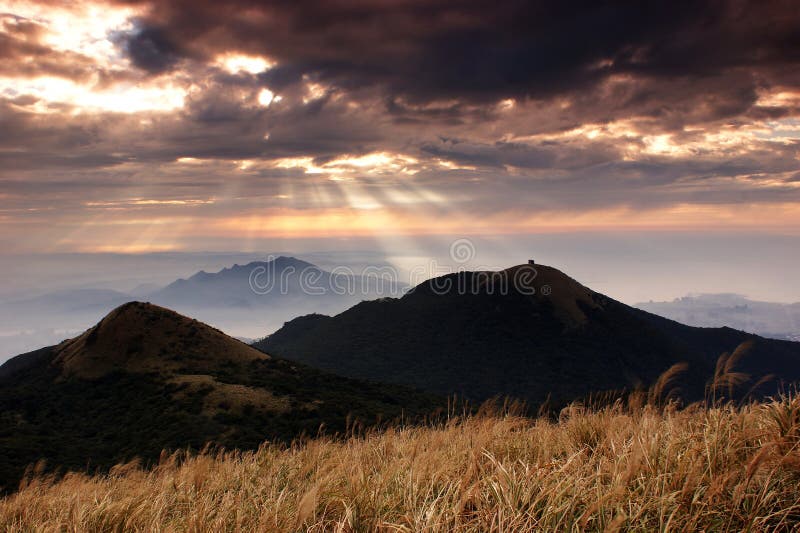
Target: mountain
[(231, 287), (483, 334), (776, 320), (247, 300), (243, 300), (146, 378)]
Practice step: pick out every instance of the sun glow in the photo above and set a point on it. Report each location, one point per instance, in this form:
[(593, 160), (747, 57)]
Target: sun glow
[(87, 32), (85, 28), (661, 145), (360, 221), (778, 99), (371, 163), (314, 91), (50, 93), (143, 202), (267, 97), (235, 63)]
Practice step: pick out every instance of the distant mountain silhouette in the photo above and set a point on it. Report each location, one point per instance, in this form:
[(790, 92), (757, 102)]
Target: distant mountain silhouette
[(770, 319), (563, 342), (244, 300), (146, 378), (268, 293), (232, 286)]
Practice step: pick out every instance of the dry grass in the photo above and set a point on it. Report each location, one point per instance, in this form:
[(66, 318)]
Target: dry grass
[(157, 340), (233, 397), (645, 468)]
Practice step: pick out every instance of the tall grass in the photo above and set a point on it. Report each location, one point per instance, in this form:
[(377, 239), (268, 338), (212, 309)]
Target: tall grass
[(635, 464), (719, 468)]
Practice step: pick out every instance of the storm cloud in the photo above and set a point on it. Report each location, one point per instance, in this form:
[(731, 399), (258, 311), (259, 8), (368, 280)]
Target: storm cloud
[(486, 51), (264, 115)]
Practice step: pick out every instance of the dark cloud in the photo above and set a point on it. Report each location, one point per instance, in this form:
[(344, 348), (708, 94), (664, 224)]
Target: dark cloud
[(152, 49), (496, 155), (222, 121), (481, 50), (282, 76), (596, 87)]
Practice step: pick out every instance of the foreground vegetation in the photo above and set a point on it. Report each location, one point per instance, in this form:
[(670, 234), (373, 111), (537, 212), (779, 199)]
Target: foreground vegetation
[(632, 465), (147, 379)]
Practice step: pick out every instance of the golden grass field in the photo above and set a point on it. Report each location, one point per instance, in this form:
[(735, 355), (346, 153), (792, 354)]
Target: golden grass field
[(629, 466)]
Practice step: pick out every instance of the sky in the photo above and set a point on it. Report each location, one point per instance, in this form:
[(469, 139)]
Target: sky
[(186, 126)]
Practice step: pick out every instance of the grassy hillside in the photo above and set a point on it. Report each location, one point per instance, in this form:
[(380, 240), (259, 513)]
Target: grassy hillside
[(645, 468), (146, 378)]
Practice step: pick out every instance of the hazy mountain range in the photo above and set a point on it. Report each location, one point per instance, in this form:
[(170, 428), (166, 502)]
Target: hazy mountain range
[(225, 299), (257, 298), (780, 321), (247, 301)]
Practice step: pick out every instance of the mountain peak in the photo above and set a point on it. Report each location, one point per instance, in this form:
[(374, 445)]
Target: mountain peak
[(284, 261), (544, 284), (279, 263), (142, 337), (569, 297)]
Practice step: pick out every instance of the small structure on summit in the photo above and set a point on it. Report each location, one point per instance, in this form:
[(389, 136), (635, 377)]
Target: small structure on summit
[(531, 262)]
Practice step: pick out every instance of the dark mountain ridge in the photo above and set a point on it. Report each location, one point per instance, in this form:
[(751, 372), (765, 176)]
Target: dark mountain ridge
[(527, 332)]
